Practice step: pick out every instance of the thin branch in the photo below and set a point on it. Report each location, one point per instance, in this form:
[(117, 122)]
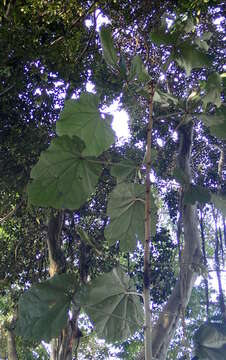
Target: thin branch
[(12, 212), (6, 90), (169, 115)]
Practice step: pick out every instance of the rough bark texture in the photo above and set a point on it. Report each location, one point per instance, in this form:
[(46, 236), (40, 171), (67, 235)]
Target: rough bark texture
[(11, 346), (62, 347), (167, 323), (57, 262)]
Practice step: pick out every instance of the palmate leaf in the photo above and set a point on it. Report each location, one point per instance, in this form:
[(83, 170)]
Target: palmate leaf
[(114, 311), (109, 51), (126, 211), (82, 118), (43, 309), (188, 57), (63, 176)]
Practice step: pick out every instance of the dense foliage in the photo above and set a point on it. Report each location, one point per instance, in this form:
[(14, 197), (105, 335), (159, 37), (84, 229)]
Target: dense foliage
[(78, 206)]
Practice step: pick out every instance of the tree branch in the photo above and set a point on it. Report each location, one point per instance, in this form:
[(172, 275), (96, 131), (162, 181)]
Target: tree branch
[(166, 325)]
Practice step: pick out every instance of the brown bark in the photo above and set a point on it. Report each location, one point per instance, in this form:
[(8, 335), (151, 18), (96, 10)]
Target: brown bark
[(167, 323), (62, 347), (11, 346)]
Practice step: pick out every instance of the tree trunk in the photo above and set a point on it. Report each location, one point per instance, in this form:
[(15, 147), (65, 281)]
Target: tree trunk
[(11, 345), (62, 347), (165, 327)]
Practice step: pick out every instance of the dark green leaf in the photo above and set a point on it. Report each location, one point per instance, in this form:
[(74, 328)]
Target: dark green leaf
[(82, 118), (188, 57), (109, 51), (63, 177), (138, 71), (197, 193), (216, 122), (126, 212), (123, 67), (114, 311), (219, 201), (164, 98), (123, 170), (163, 38), (213, 90), (43, 309)]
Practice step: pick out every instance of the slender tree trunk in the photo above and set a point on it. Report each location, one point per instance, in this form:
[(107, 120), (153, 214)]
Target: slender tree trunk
[(11, 345), (204, 261), (147, 280), (62, 347), (165, 327)]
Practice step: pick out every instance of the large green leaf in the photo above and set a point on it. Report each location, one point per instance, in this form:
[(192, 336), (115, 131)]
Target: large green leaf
[(123, 170), (219, 200), (112, 306), (138, 71), (109, 51), (216, 122), (160, 37), (188, 57), (213, 90), (82, 118), (43, 309), (63, 176), (197, 193), (126, 211)]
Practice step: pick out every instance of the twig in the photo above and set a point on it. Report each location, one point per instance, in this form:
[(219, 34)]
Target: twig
[(6, 90)]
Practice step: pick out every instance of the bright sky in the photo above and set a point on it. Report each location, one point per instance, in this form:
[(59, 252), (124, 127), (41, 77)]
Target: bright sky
[(120, 122)]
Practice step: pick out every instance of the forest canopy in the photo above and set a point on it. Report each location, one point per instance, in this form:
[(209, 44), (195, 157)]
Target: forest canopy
[(112, 249)]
